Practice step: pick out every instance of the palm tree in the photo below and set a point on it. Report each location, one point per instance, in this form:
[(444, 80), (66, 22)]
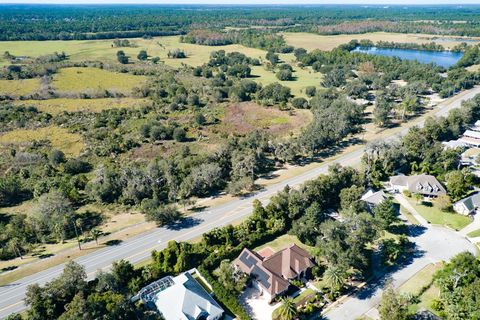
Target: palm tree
[(95, 234), (288, 309), (335, 277)]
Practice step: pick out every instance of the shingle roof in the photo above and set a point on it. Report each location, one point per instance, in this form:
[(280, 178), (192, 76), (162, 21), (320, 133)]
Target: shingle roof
[(186, 300), (273, 272), (422, 183), (374, 198), (472, 202)]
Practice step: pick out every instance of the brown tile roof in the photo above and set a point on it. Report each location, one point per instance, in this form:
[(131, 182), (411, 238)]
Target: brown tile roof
[(273, 272)]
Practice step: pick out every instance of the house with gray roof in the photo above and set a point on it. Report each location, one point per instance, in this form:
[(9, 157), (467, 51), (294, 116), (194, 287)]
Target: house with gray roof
[(468, 205), (373, 199), (424, 184), (181, 298)]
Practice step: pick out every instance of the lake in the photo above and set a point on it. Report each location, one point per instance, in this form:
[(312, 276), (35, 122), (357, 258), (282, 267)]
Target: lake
[(442, 58)]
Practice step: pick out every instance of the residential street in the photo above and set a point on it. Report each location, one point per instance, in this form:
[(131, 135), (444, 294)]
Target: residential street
[(433, 244), (436, 243)]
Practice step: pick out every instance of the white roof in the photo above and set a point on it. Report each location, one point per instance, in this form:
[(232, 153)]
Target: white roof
[(472, 134), (186, 300), (454, 143)]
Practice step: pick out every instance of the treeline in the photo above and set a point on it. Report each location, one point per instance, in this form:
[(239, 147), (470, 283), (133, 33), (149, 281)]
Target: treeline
[(46, 22), (432, 46), (302, 209), (261, 39)]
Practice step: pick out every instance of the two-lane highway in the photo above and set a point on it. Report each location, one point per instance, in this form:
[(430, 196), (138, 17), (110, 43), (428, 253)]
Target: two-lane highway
[(139, 248)]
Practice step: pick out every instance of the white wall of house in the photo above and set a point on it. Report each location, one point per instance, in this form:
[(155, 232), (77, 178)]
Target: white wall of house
[(461, 209)]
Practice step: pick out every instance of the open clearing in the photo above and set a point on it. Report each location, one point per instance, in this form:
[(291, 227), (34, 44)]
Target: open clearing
[(70, 143), (19, 87), (282, 242), (248, 116), (80, 50), (311, 41), (76, 80), (302, 78), (56, 106)]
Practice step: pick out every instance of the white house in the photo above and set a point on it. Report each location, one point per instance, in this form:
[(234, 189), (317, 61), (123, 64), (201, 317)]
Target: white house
[(468, 205), (423, 184), (181, 298), (471, 137)]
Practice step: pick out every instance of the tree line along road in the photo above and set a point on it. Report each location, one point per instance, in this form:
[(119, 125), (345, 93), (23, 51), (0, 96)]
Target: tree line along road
[(139, 248)]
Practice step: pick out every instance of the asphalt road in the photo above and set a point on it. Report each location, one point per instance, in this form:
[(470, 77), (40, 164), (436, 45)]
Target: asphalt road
[(139, 248)]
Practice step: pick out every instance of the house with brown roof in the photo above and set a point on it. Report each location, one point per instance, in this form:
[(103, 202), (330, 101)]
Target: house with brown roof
[(424, 184), (272, 274)]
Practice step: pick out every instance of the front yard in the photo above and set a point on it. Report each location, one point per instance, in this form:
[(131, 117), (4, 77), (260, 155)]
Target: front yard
[(283, 241), (436, 216)]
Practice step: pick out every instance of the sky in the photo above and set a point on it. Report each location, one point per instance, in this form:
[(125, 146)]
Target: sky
[(223, 2)]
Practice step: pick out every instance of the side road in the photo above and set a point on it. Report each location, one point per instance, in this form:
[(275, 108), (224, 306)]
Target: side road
[(433, 244)]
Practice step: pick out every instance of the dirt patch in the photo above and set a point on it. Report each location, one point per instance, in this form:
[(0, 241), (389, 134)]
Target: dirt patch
[(248, 116)]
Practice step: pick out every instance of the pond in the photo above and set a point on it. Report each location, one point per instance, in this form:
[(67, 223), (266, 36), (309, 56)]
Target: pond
[(445, 59)]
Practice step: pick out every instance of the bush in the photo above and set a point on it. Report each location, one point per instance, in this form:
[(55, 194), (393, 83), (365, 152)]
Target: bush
[(179, 134), (300, 103), (310, 91), (284, 75)]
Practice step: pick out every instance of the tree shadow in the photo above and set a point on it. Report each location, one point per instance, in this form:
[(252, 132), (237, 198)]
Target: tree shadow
[(184, 223), (384, 274)]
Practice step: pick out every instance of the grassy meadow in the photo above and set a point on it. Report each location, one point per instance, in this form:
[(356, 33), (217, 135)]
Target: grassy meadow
[(76, 80), (70, 143), (90, 50), (56, 106), (311, 41), (19, 87), (302, 78)]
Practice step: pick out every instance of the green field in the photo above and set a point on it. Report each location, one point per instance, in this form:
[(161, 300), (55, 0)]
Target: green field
[(70, 143), (19, 87), (437, 216), (474, 234), (56, 106), (303, 78), (80, 50), (75, 80)]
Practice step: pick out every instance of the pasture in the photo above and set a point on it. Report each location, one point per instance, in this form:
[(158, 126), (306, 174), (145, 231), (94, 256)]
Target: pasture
[(70, 143), (18, 88), (76, 80), (302, 78), (57, 106), (103, 50), (311, 41)]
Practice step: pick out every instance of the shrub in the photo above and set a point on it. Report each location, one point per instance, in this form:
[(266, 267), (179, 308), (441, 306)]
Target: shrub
[(179, 134)]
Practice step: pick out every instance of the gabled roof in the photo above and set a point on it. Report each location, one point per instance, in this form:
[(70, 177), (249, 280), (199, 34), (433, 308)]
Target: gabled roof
[(472, 134), (274, 271), (374, 198), (422, 183), (186, 299), (471, 203)]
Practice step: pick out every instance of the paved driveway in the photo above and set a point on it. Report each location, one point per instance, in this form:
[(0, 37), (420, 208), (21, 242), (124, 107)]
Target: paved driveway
[(433, 244)]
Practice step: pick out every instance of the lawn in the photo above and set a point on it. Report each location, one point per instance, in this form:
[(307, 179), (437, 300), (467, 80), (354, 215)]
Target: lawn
[(19, 87), (70, 143), (56, 106), (420, 280), (282, 242), (409, 216), (75, 80), (474, 234), (303, 78), (312, 41), (436, 216)]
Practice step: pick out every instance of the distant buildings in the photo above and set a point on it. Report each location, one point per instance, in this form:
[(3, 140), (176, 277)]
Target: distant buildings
[(470, 138), (181, 298), (272, 273), (423, 184), (468, 205)]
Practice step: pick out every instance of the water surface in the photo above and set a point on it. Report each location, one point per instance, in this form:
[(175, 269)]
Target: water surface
[(442, 58)]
